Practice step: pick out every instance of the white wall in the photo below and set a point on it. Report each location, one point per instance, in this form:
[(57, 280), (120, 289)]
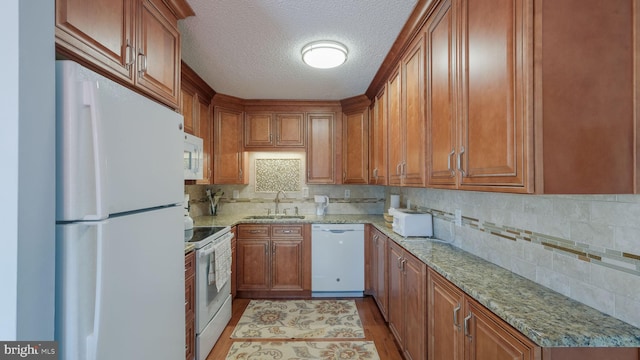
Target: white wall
[(27, 186), (9, 166)]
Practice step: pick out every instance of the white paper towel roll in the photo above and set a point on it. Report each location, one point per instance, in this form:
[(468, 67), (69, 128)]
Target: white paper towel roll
[(394, 201)]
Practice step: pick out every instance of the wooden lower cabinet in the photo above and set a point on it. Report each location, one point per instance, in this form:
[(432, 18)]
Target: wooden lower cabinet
[(273, 260), (378, 270), (460, 328), (407, 301), (189, 304)]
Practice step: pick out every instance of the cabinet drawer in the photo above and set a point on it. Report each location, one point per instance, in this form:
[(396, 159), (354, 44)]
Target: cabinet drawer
[(253, 231), (286, 231)]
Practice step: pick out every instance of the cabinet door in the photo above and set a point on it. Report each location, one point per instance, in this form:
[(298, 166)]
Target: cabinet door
[(378, 141), (253, 271), (412, 108), (158, 52), (355, 154), (188, 110), (320, 148), (286, 264), (490, 338), (441, 129), (228, 155), (99, 31), (205, 124), (396, 129), (495, 99), (396, 304), (290, 130), (379, 270), (257, 130), (444, 319), (415, 316)]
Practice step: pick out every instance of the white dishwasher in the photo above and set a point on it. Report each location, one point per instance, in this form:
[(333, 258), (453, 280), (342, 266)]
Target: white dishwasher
[(337, 260)]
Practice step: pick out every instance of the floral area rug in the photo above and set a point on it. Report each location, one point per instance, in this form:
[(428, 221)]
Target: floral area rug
[(299, 319), (298, 350)]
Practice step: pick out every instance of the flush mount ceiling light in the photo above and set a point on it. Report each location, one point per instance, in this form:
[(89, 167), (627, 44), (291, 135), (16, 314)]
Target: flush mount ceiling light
[(324, 54)]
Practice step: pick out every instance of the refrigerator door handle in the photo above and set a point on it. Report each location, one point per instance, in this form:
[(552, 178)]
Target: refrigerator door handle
[(90, 101), (94, 336)]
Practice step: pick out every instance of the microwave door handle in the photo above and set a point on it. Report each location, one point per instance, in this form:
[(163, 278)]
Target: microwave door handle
[(90, 101)]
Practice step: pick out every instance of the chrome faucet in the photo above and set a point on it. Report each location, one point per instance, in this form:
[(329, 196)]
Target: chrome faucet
[(277, 200)]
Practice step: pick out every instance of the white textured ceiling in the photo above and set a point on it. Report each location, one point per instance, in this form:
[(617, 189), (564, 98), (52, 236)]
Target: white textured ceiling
[(251, 48)]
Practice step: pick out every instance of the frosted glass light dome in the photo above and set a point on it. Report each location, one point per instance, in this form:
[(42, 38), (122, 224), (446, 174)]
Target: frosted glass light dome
[(324, 54)]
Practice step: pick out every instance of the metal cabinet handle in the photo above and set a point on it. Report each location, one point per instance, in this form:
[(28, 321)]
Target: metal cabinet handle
[(399, 262), (466, 325), (270, 137), (455, 316), (460, 161), (404, 263), (452, 153), (240, 174), (404, 168), (286, 231), (278, 139), (398, 170), (143, 67), (130, 58)]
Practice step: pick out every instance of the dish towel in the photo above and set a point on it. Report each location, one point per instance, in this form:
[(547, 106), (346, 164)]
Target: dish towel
[(222, 253)]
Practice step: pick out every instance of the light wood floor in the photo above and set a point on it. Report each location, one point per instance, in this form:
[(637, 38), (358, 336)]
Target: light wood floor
[(375, 329)]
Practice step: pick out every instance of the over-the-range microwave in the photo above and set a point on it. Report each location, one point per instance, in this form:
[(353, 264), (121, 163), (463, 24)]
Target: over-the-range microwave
[(193, 157)]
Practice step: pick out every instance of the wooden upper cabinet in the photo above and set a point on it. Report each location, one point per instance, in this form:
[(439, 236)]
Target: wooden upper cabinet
[(135, 42), (229, 157), (405, 95), (195, 106), (587, 103), (188, 99), (158, 52), (355, 144), (441, 104), (396, 129), (205, 131), (413, 95), (290, 130), (496, 96), (98, 31), (355, 148), (267, 130), (378, 140), (258, 130), (321, 148)]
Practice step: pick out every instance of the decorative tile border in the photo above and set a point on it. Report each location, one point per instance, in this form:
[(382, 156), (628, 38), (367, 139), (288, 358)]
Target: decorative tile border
[(610, 258)]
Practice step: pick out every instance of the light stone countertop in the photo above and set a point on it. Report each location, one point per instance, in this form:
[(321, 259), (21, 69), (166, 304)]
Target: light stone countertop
[(548, 318)]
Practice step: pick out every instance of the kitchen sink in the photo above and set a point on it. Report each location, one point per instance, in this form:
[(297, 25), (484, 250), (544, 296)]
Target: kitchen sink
[(273, 217)]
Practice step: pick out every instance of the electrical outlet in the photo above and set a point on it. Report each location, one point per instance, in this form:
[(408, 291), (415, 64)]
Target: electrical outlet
[(347, 193), (458, 217), (305, 192)]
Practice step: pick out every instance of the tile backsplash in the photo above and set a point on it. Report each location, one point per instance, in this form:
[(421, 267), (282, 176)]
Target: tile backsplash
[(586, 247)]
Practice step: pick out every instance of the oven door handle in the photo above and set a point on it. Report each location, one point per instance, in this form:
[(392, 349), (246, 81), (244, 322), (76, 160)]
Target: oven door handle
[(206, 251)]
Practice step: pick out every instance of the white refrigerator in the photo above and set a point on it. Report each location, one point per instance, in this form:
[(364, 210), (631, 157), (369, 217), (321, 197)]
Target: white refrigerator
[(119, 222)]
